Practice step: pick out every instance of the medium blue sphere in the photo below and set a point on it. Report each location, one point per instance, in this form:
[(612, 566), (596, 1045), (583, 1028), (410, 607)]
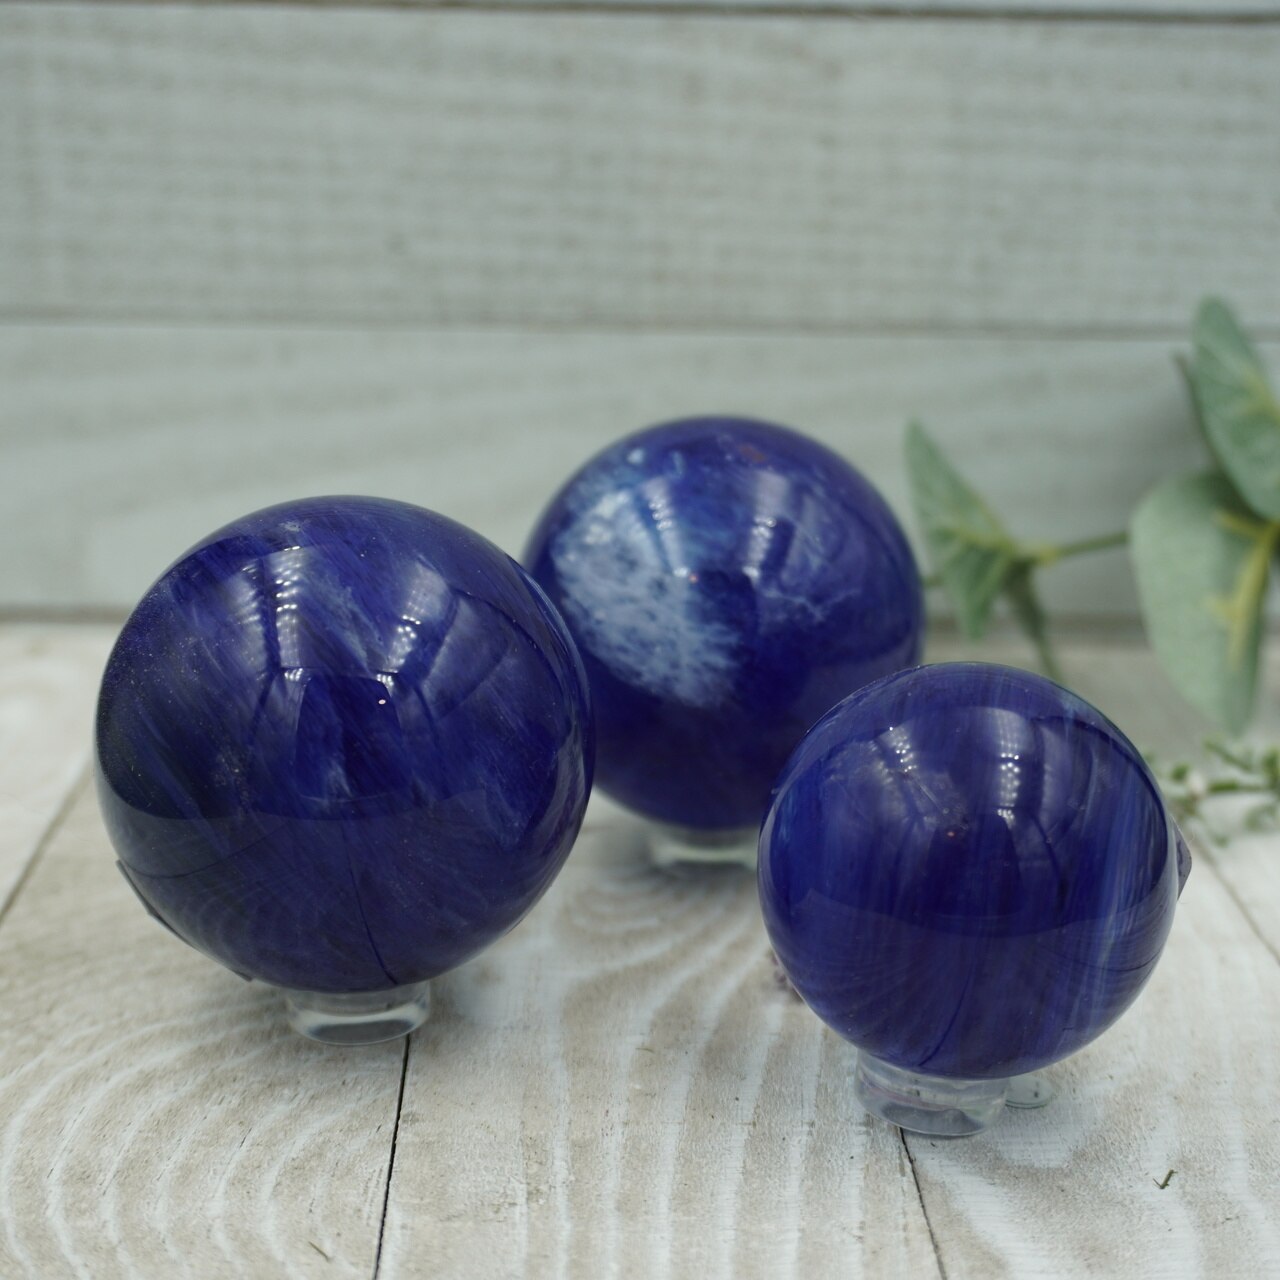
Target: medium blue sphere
[(968, 871), (342, 745), (727, 581)]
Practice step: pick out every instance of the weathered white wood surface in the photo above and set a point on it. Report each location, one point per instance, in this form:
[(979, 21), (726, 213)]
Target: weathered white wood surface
[(619, 1088), (1185, 1082), (631, 1092), (48, 680), (423, 166), (1248, 864), (1060, 10), (154, 1120), (124, 446)]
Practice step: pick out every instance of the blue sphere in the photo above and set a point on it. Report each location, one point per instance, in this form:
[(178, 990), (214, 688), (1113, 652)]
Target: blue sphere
[(968, 871), (342, 745), (727, 581)]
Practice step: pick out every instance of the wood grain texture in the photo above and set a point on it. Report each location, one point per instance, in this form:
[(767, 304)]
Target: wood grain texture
[(664, 1021), (679, 1112), (124, 446), (156, 1116), (48, 681), (619, 1088), (414, 166), (1184, 1082), (1249, 867)]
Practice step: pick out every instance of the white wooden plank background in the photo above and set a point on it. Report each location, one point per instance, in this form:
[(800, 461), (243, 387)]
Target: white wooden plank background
[(619, 1088), (893, 207), (416, 166), (1243, 11), (123, 446)]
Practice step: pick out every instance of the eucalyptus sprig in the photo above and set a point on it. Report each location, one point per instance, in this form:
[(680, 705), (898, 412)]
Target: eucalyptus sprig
[(1202, 544), (977, 560), (1235, 771)]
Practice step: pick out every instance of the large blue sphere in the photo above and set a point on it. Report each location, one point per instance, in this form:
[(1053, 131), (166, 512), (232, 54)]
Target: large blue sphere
[(343, 744), (727, 582), (968, 871)]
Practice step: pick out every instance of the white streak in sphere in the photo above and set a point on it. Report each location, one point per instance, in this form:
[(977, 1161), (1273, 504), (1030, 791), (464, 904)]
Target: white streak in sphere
[(627, 593)]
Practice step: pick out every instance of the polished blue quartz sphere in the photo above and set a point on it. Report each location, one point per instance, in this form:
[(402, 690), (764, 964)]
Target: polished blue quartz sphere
[(727, 581), (968, 871), (342, 745)]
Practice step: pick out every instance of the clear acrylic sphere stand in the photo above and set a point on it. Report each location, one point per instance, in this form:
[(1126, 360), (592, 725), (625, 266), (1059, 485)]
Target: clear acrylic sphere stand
[(940, 1106), (358, 1017), (693, 849)]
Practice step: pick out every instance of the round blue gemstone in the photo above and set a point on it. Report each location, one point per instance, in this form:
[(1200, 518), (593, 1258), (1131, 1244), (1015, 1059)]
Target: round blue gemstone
[(727, 582), (968, 871), (343, 744)]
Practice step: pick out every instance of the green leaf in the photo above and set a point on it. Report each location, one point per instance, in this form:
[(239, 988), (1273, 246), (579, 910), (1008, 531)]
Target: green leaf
[(970, 549), (1261, 817), (1188, 381), (1021, 594), (1202, 559), (1237, 407)]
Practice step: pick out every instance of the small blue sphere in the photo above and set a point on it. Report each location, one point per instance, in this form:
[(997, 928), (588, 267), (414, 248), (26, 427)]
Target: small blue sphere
[(727, 581), (342, 745), (968, 871)]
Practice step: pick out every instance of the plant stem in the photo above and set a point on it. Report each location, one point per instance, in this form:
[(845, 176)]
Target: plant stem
[(1053, 552), (1103, 542), (1229, 786)]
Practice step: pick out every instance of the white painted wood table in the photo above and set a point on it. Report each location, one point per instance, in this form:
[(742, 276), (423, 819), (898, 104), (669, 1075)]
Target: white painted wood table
[(619, 1088)]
